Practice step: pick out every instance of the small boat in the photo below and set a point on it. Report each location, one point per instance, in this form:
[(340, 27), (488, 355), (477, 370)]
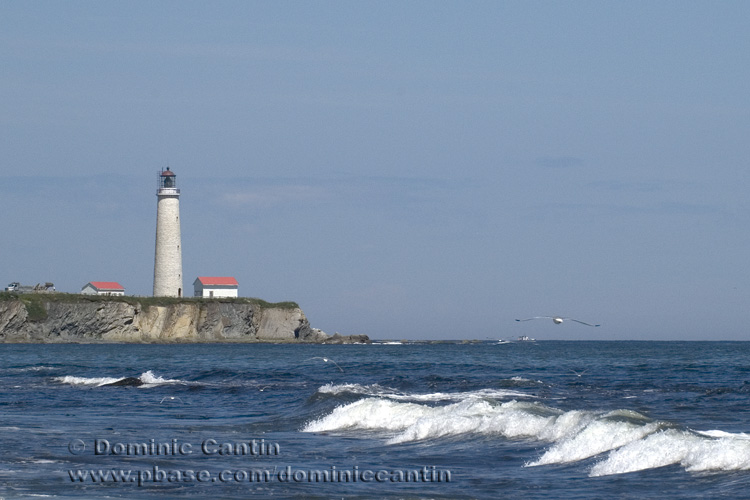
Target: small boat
[(503, 341), (526, 338)]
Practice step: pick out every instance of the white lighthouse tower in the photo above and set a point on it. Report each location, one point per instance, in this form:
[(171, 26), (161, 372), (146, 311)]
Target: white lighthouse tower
[(168, 259)]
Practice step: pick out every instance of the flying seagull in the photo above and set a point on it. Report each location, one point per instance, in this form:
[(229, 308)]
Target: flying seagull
[(170, 398), (326, 360), (557, 320)]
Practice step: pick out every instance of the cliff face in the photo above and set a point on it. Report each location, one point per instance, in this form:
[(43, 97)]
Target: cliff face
[(81, 320)]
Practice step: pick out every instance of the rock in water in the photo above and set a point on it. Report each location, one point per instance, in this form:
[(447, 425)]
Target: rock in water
[(126, 382)]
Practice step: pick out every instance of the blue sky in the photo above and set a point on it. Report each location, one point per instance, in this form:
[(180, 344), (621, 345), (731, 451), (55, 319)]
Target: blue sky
[(399, 169)]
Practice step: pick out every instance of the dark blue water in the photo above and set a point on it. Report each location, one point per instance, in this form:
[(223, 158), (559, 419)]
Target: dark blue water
[(563, 420)]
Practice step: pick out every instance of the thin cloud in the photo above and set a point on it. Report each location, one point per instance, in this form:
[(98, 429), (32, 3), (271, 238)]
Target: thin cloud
[(270, 196), (209, 51), (560, 162), (642, 186), (654, 209)]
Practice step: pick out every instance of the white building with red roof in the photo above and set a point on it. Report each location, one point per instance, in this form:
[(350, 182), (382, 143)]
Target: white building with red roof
[(103, 288), (216, 286)]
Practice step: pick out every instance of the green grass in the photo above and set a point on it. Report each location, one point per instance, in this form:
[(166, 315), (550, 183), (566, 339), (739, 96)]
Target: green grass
[(35, 302), (8, 296), (34, 307)]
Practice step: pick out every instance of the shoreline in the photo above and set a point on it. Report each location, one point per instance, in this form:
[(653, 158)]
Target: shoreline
[(82, 319)]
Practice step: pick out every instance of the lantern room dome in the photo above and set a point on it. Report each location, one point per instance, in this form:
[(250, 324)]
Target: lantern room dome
[(167, 181)]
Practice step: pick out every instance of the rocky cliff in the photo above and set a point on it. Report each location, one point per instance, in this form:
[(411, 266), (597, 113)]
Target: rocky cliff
[(77, 318)]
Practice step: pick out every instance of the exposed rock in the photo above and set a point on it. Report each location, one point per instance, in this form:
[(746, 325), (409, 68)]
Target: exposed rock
[(77, 319), (346, 339), (126, 382)]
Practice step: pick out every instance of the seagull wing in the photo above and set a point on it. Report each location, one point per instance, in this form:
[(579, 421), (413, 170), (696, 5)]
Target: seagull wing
[(535, 317), (581, 322), (337, 365), (326, 360)]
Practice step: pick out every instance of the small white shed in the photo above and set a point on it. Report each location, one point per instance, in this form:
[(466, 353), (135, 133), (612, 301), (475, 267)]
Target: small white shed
[(103, 288), (216, 287)]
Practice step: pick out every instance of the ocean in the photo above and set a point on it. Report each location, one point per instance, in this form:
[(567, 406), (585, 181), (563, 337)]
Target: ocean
[(532, 420)]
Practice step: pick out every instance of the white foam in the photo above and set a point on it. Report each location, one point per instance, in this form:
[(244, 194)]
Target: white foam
[(370, 414), (92, 381), (658, 450), (631, 441), (723, 434), (515, 420), (695, 452), (148, 378), (413, 422), (724, 454), (597, 436), (389, 393), (369, 390)]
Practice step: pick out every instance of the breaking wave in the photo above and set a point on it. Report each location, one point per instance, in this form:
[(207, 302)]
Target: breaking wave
[(694, 451), (146, 379), (626, 440), (388, 393)]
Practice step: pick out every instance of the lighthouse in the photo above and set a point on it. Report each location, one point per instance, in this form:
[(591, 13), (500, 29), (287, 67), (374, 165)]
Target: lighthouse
[(168, 257)]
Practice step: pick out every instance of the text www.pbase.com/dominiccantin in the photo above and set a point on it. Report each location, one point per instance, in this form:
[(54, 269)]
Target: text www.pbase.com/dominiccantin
[(156, 475)]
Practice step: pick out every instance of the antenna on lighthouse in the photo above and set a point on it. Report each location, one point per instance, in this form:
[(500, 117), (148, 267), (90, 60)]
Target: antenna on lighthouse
[(168, 254)]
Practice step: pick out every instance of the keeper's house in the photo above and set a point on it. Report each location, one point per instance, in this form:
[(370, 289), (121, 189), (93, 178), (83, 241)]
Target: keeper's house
[(215, 286), (103, 288)]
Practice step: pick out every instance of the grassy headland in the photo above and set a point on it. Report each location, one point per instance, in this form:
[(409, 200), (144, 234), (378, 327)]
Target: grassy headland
[(34, 302)]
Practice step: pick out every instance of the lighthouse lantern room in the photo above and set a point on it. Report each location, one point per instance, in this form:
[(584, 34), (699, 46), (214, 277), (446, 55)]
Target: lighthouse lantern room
[(167, 180)]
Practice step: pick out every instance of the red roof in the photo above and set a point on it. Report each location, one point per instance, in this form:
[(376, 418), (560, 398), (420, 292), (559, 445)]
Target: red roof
[(218, 280), (106, 285)]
